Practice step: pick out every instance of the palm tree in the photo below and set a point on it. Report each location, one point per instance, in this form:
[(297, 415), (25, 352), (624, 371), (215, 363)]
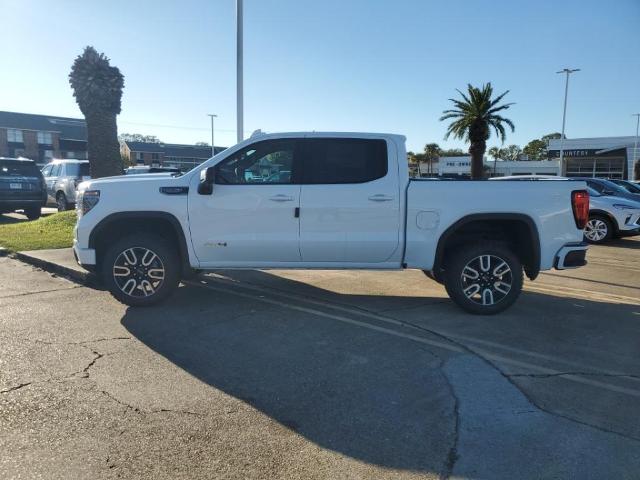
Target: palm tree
[(97, 87), (431, 151), (495, 153), (474, 116)]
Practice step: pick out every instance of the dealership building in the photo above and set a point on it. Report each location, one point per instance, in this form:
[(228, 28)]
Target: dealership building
[(606, 157)]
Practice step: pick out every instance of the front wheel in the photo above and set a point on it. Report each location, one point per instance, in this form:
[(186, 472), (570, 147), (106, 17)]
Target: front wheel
[(598, 229), (141, 270), (483, 279)]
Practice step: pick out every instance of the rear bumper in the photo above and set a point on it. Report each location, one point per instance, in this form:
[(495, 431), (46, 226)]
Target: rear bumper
[(19, 204), (572, 255)]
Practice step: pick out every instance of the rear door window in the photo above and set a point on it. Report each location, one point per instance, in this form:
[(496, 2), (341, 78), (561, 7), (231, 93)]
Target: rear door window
[(77, 170), (344, 160)]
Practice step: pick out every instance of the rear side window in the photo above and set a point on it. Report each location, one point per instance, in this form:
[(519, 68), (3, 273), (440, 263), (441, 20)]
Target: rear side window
[(344, 160), (77, 170), (10, 168)]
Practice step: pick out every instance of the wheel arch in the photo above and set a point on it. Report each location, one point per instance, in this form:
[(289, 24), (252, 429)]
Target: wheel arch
[(518, 228), (121, 223)]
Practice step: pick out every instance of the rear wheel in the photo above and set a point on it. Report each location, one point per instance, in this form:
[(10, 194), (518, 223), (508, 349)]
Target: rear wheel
[(141, 270), (33, 213), (61, 202), (599, 229), (483, 279)]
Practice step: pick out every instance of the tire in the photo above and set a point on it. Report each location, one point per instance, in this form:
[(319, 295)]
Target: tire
[(33, 213), (598, 229), (152, 280), (474, 270), (61, 202)]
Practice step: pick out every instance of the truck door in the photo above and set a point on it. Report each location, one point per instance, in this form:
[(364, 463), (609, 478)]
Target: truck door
[(251, 218), (349, 201)]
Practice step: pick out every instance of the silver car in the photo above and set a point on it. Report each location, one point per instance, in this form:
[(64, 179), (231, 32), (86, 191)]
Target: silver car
[(611, 216), (62, 178)]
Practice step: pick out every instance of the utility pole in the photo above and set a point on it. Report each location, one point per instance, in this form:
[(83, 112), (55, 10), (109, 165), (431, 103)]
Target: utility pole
[(567, 71), (635, 147), (239, 72), (213, 151)]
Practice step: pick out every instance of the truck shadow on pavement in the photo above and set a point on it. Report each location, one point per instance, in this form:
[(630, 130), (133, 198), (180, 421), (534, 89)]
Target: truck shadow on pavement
[(379, 398)]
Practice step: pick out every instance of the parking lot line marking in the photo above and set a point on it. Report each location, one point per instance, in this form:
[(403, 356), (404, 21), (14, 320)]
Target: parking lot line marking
[(446, 346), (584, 294)]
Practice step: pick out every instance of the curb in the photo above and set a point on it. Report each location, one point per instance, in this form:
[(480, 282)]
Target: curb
[(77, 276), (4, 252)]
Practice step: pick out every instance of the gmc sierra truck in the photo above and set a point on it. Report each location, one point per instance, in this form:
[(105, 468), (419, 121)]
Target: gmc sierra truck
[(326, 201)]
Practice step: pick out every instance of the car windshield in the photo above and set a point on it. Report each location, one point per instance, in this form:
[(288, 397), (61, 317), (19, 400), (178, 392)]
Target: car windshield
[(78, 169), (16, 168)]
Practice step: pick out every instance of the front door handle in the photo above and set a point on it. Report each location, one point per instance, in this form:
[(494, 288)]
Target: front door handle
[(381, 197), (281, 198)]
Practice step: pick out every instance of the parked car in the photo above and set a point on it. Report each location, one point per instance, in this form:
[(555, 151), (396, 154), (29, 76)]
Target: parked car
[(607, 187), (21, 187), (137, 170), (631, 187), (611, 216), (349, 204), (62, 178)]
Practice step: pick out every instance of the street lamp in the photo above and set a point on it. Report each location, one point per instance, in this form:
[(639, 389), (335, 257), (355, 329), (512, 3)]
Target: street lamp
[(634, 155), (567, 71), (239, 73), (213, 152)]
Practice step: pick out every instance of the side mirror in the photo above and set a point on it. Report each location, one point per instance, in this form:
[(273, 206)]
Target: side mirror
[(207, 177)]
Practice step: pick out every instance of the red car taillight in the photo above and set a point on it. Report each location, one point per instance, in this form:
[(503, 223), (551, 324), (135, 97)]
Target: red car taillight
[(580, 205)]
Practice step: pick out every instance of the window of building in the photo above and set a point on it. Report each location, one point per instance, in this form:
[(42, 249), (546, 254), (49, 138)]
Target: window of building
[(268, 162), (70, 155), (45, 138), (47, 155), (344, 160), (14, 135), (139, 157)]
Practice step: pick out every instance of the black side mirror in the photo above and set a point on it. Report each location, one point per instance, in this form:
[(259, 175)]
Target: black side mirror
[(207, 177)]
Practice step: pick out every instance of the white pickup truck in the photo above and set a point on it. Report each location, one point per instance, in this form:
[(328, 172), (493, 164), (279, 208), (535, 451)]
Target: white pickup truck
[(327, 201)]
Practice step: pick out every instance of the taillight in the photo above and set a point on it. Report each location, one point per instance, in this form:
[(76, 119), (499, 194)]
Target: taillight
[(580, 205)]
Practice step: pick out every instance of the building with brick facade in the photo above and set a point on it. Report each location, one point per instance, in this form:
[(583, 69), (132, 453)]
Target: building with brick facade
[(42, 137), (184, 157)]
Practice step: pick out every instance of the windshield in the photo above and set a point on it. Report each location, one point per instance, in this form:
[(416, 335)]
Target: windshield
[(16, 168)]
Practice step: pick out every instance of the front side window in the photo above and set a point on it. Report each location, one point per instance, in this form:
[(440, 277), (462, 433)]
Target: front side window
[(268, 162), (14, 135), (344, 160), (46, 171)]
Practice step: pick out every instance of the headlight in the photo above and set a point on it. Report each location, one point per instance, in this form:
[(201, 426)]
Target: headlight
[(86, 200), (622, 206)]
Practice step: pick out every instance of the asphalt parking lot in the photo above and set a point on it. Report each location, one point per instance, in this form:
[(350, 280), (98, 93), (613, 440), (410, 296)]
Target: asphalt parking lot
[(321, 374)]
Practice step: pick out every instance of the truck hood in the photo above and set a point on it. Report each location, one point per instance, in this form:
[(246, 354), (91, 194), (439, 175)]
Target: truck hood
[(129, 181)]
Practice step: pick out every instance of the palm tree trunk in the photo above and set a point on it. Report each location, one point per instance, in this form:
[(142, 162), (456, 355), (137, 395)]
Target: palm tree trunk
[(477, 150), (102, 145)]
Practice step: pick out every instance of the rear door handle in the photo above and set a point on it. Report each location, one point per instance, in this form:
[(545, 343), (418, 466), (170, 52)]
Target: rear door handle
[(381, 197), (281, 198)]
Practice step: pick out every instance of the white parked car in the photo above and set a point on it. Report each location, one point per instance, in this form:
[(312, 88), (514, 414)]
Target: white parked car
[(348, 203), (611, 216)]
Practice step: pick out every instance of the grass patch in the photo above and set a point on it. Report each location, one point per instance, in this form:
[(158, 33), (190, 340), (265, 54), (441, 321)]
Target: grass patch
[(53, 231)]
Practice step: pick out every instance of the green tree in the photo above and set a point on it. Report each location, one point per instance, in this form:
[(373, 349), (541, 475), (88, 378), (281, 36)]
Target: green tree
[(97, 87), (552, 136), (452, 152), (536, 149), (511, 153), (137, 137), (473, 118)]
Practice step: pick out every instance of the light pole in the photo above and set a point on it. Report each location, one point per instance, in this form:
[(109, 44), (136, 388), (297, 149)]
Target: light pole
[(213, 152), (239, 73), (635, 146), (567, 71)]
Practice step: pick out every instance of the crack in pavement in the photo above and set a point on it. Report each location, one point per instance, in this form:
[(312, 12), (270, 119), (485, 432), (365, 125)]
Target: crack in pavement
[(141, 411), (452, 455), (14, 388), (73, 287)]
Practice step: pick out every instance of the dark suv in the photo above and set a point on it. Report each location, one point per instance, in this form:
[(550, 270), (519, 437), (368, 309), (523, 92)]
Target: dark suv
[(21, 187)]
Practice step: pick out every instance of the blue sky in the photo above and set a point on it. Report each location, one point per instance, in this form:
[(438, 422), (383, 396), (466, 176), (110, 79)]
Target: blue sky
[(355, 65)]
